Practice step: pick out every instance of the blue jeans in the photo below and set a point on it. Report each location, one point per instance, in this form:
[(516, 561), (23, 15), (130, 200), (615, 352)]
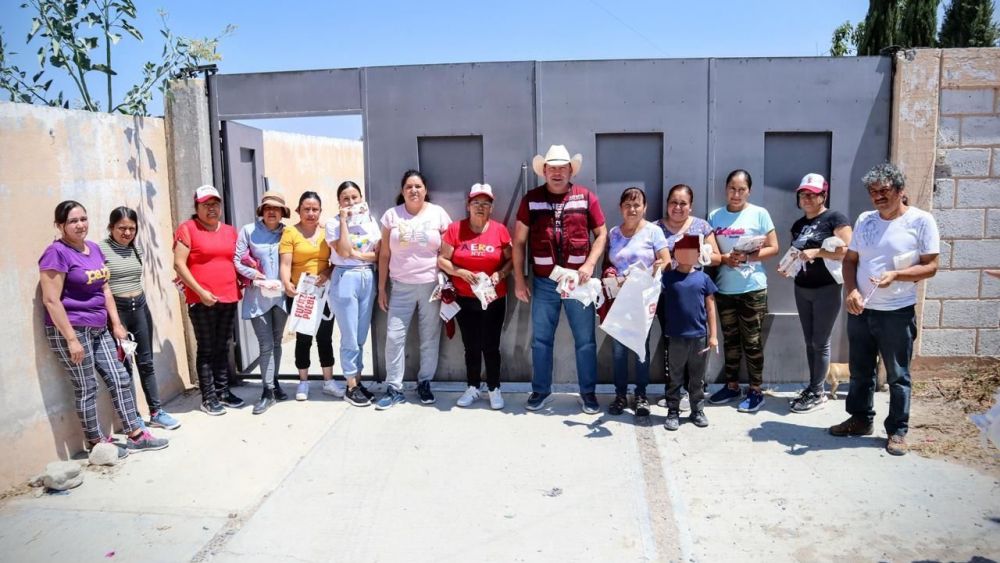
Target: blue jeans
[(889, 334), (620, 354), (545, 304), (351, 299)]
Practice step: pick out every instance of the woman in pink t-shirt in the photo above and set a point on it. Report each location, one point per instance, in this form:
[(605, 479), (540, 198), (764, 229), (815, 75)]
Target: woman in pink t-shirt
[(78, 309), (203, 259), (473, 249), (411, 237)]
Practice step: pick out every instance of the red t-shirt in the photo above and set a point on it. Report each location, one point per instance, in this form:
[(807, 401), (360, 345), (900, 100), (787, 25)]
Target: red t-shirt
[(210, 260), (477, 252)]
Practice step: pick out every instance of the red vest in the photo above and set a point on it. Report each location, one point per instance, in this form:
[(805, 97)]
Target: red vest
[(566, 244)]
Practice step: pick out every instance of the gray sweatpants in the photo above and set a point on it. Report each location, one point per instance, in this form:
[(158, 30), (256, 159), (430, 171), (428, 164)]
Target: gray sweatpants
[(404, 298), (818, 310)]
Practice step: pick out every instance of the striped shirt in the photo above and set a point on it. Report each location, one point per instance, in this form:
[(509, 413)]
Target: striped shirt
[(125, 266)]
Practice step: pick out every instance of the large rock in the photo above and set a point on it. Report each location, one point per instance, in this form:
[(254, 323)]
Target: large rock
[(62, 475), (104, 453)]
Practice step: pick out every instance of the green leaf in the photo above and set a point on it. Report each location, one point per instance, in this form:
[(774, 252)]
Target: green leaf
[(104, 68), (35, 25), (37, 75), (90, 42), (46, 85), (114, 38), (132, 30)]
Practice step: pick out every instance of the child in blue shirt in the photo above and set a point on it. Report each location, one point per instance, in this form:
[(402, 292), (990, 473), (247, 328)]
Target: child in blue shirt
[(690, 326)]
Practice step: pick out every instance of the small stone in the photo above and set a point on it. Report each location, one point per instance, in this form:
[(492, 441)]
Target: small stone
[(62, 475), (103, 453)]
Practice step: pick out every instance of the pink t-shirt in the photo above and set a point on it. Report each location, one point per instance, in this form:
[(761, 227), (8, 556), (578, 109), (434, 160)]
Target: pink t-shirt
[(414, 241)]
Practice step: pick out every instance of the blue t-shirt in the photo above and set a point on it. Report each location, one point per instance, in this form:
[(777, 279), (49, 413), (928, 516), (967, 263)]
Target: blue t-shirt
[(686, 293), (641, 247), (729, 227)]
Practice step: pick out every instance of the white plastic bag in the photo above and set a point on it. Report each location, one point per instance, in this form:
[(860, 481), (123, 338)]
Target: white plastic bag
[(569, 287), (308, 305), (835, 267), (268, 288), (632, 313), (989, 422)]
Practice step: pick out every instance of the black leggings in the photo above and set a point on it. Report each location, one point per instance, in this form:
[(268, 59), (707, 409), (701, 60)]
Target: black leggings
[(213, 328), (324, 342), (481, 336)]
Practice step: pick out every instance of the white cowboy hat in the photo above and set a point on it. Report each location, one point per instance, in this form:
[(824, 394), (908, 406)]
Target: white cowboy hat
[(557, 156)]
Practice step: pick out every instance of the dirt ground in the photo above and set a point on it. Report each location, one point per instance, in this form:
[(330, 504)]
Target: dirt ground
[(944, 395)]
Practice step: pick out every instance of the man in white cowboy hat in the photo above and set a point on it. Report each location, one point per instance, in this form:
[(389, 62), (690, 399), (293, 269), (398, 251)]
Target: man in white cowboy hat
[(558, 218)]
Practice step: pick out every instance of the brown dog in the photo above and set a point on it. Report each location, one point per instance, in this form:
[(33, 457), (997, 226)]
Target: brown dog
[(841, 373)]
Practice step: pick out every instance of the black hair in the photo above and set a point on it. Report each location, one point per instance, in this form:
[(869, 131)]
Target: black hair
[(64, 208), (309, 195), (346, 185), (632, 193), (123, 212), (740, 172), (402, 183), (683, 187)]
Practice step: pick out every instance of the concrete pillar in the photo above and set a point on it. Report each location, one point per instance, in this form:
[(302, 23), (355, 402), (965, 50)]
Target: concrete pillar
[(190, 159)]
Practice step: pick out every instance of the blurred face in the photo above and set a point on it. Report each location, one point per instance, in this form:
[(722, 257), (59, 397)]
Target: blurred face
[(209, 212), (885, 198), (414, 191), (349, 197), (557, 176), (633, 210), (480, 208), (686, 256), (271, 216), (679, 206), (737, 193), (123, 232), (76, 226), (811, 203), (309, 211)]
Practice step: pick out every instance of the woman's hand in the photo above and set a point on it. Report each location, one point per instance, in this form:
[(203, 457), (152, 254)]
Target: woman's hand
[(495, 278), (466, 275), (75, 351), (811, 253), (290, 290), (207, 298), (383, 300), (118, 331), (322, 278), (733, 259), (259, 276)]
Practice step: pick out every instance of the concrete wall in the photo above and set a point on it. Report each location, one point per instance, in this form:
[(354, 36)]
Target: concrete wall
[(46, 156), (949, 104), (296, 163)]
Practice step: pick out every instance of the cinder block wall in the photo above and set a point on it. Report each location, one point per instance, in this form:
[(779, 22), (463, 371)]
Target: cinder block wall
[(961, 314), (48, 155)]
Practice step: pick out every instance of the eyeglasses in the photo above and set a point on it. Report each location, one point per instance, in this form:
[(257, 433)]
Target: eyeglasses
[(481, 203)]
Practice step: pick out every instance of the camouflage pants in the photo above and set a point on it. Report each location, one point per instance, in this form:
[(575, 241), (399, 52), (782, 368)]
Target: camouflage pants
[(742, 318)]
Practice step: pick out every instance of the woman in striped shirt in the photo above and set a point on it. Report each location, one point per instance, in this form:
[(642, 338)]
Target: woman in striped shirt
[(124, 261)]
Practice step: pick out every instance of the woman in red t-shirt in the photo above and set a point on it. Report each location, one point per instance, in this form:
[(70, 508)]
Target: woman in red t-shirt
[(476, 251), (203, 258)]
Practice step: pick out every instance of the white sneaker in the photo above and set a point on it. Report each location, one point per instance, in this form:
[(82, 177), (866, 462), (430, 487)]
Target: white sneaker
[(685, 405), (335, 388), (302, 391), (470, 396), (496, 399)]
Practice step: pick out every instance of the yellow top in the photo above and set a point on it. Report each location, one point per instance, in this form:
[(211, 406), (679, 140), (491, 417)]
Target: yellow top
[(307, 256)]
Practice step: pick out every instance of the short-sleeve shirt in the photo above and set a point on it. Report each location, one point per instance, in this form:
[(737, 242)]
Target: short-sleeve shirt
[(210, 260), (124, 266), (477, 252), (83, 287), (414, 241), (728, 226), (308, 256), (810, 233), (641, 247), (884, 246), (364, 237), (685, 297)]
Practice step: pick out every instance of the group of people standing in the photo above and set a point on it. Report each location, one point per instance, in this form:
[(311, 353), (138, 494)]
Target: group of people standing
[(426, 261)]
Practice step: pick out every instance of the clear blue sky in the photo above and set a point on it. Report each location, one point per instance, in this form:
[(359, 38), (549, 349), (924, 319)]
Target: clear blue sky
[(292, 35)]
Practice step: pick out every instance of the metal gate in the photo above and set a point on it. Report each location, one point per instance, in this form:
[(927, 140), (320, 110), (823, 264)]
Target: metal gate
[(652, 123)]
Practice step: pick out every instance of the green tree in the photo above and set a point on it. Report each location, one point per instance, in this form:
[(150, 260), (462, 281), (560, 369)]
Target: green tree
[(845, 39), (76, 40), (918, 24), (969, 23), (880, 27)]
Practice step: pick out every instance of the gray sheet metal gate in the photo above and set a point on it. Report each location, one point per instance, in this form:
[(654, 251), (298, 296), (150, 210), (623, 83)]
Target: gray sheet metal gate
[(654, 123)]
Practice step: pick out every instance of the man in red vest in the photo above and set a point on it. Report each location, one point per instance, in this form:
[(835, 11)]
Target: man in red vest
[(558, 219)]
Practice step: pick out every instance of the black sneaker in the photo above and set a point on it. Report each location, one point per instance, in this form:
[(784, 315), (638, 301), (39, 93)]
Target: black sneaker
[(808, 401), (699, 419), (618, 405), (537, 400), (230, 400), (365, 391), (213, 407), (424, 392), (641, 405), (673, 421), (357, 397), (589, 404), (279, 393)]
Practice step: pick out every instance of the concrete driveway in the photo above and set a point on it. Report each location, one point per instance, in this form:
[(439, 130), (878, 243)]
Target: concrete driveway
[(324, 481)]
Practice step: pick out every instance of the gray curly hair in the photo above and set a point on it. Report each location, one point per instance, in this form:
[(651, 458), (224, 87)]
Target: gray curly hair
[(886, 172)]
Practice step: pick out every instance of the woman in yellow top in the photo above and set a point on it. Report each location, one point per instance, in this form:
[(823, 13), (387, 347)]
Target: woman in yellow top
[(303, 249)]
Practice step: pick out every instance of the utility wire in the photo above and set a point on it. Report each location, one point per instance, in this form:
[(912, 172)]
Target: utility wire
[(630, 28)]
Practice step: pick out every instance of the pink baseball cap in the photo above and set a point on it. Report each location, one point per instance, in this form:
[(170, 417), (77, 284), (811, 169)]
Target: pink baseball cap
[(481, 189), (814, 183), (205, 193)]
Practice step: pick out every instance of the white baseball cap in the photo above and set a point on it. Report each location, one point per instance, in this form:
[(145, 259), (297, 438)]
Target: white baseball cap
[(481, 189), (814, 183), (205, 193)]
